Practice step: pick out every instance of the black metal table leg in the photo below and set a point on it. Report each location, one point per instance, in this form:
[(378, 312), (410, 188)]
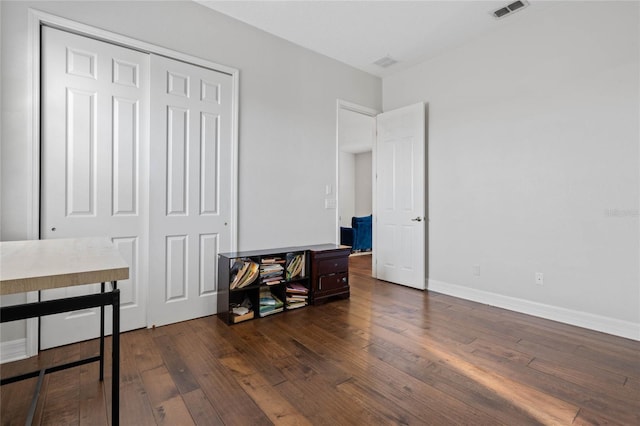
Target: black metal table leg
[(115, 358), (101, 336), (34, 400), (69, 304)]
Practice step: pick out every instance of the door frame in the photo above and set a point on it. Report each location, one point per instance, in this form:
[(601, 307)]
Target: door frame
[(360, 109), (37, 19)]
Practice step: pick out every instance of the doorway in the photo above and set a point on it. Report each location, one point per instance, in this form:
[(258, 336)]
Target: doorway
[(356, 132), (398, 196)]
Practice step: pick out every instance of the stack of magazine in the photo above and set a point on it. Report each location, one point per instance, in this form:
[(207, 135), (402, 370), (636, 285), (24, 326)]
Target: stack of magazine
[(243, 273), (271, 270), (269, 303), (297, 295)]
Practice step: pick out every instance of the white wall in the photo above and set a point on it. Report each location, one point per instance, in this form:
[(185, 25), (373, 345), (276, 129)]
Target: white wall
[(363, 184), (356, 131), (533, 157), (355, 186), (346, 188), (287, 112)]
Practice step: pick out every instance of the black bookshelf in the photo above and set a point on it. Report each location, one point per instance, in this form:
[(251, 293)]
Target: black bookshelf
[(271, 291)]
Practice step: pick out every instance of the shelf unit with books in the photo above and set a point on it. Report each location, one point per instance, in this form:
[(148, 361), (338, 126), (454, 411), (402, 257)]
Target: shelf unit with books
[(255, 284)]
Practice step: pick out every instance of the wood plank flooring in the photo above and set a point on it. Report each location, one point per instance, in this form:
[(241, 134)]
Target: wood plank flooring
[(388, 355)]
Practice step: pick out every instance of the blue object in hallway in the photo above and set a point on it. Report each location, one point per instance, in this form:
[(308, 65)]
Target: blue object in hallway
[(359, 236)]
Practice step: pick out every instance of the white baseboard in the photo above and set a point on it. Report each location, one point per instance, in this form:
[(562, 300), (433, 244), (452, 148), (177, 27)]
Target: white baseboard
[(13, 350), (607, 325)]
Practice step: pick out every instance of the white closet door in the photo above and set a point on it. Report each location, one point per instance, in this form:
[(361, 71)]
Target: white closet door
[(191, 187), (94, 169)]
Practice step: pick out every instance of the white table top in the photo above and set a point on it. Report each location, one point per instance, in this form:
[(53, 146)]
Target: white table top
[(44, 264)]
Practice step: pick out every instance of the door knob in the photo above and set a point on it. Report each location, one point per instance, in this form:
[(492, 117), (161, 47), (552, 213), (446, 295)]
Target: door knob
[(417, 219)]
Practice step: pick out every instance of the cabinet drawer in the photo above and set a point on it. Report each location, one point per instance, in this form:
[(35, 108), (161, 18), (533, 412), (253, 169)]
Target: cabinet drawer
[(330, 254), (332, 266), (332, 282)]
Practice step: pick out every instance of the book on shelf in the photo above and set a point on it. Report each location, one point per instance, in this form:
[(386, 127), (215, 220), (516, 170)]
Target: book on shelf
[(295, 265), (275, 268), (296, 305), (239, 318), (245, 270), (265, 308), (296, 295), (264, 313), (268, 301), (271, 270), (297, 288), (241, 312), (238, 269)]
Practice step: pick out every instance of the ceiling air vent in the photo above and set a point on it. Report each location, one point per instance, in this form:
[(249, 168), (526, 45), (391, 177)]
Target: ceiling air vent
[(509, 9), (385, 62)]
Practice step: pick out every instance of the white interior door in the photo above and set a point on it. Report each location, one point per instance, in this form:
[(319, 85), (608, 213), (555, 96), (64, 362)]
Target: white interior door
[(94, 169), (400, 232), (191, 187)]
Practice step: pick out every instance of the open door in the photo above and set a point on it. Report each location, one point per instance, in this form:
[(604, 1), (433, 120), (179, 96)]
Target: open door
[(399, 230)]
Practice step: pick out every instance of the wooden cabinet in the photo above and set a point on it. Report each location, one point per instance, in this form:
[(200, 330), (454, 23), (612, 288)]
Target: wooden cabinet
[(329, 272)]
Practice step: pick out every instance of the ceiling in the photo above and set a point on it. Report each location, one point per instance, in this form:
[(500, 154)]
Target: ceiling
[(359, 33)]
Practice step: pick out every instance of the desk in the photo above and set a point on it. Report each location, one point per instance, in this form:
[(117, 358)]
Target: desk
[(45, 264)]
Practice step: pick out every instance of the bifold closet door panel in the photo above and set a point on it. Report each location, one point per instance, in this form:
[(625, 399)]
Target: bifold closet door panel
[(191, 187), (94, 170)]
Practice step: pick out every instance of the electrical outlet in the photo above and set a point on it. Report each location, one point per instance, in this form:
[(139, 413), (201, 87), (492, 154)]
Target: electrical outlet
[(476, 270), (539, 278)]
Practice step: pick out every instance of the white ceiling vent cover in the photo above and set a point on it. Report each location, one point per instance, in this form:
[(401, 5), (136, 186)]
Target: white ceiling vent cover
[(510, 8), (385, 62)]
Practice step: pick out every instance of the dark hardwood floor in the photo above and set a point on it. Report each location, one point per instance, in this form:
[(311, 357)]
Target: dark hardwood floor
[(388, 355)]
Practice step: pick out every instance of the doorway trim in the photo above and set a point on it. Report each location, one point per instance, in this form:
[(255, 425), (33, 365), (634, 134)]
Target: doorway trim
[(37, 19), (371, 112)]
